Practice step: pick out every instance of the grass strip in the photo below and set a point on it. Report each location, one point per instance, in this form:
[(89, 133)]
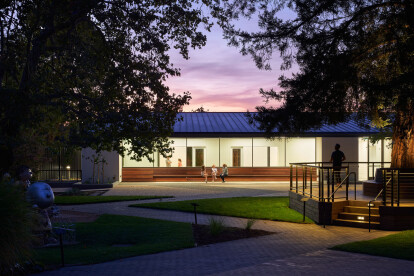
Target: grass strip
[(83, 199), (270, 208), (113, 237), (399, 246)]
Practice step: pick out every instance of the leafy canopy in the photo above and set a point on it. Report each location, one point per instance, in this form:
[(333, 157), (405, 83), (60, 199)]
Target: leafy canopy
[(90, 73), (353, 57)]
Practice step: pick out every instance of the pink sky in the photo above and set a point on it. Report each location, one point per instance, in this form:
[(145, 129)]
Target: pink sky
[(219, 78)]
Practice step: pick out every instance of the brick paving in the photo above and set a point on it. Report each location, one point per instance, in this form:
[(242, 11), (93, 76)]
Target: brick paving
[(294, 249)]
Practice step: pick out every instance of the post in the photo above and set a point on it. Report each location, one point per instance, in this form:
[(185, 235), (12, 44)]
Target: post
[(297, 186), (384, 191), (62, 257), (195, 211), (310, 182), (291, 177), (321, 187), (304, 199), (369, 216), (303, 181), (347, 182), (333, 186), (392, 188), (329, 178), (304, 210), (398, 188)]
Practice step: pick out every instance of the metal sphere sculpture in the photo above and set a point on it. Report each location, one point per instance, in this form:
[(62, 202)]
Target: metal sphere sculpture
[(40, 194)]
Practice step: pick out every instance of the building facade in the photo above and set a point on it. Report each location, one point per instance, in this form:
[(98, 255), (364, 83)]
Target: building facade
[(217, 138)]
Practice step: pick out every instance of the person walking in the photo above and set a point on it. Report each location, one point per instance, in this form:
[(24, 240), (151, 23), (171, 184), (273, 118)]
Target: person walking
[(224, 173), (337, 157), (204, 173), (168, 162)]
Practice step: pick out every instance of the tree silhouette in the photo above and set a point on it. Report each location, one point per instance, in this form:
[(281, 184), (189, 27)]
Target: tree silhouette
[(355, 60), (91, 73)]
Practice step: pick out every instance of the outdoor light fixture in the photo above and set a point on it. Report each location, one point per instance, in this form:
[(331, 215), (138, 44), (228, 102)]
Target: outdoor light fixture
[(68, 167), (371, 204), (361, 218)]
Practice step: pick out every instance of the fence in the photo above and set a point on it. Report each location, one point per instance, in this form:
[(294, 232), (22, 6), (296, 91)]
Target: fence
[(60, 175)]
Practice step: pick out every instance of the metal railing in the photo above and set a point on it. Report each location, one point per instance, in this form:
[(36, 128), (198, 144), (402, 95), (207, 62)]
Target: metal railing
[(305, 178), (59, 175), (371, 204)]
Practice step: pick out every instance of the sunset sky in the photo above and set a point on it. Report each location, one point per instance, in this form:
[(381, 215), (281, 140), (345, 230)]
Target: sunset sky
[(219, 78)]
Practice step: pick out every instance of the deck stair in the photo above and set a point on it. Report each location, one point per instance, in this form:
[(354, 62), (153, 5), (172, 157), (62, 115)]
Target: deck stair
[(356, 214)]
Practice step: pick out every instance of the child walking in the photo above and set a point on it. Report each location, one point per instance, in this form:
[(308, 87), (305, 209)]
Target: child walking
[(204, 172), (213, 172)]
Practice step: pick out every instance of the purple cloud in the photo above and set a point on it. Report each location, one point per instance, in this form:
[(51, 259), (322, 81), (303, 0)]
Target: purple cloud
[(220, 78)]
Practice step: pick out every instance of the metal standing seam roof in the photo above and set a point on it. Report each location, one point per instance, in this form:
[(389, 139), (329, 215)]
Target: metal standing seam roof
[(236, 123)]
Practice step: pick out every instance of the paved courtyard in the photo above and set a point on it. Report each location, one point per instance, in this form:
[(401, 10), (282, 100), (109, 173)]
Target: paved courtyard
[(293, 249)]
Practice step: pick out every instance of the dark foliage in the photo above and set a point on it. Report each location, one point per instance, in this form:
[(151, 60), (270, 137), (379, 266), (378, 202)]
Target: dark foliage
[(354, 57), (91, 73)]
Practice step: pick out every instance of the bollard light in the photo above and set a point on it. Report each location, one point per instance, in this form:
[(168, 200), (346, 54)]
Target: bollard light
[(195, 211), (304, 199)]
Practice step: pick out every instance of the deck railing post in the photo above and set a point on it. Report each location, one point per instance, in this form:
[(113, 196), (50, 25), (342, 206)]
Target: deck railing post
[(347, 181), (291, 176), (310, 182), (303, 180), (384, 191), (321, 186), (297, 185), (328, 178), (398, 188), (392, 188)]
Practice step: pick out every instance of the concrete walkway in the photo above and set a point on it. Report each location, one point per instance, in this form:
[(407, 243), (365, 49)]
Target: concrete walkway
[(294, 249)]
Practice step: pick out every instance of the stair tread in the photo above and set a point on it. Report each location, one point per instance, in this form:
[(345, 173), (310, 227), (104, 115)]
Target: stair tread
[(357, 221), (361, 207), (359, 214)]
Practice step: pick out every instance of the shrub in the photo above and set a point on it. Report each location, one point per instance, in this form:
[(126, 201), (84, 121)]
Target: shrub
[(249, 224), (15, 230), (216, 226)]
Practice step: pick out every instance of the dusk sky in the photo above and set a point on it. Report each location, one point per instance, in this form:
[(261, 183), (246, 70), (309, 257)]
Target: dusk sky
[(219, 78)]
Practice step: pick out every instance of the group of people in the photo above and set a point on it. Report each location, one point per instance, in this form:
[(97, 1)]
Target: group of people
[(168, 162), (214, 171)]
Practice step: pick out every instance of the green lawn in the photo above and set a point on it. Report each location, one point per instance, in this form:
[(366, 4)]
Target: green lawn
[(399, 246), (83, 199), (271, 208), (96, 239)]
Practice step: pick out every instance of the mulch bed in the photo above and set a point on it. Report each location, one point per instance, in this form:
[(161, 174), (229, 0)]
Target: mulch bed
[(202, 235)]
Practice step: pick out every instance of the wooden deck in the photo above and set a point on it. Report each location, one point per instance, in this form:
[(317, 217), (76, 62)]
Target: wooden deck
[(194, 174)]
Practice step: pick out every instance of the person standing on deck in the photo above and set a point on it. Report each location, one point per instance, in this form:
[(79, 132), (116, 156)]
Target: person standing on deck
[(337, 158)]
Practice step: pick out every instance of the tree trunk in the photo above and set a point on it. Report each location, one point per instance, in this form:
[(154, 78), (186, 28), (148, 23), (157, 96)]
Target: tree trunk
[(402, 155)]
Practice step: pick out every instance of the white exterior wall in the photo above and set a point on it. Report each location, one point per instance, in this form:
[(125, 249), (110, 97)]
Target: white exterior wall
[(226, 146), (318, 141), (112, 168)]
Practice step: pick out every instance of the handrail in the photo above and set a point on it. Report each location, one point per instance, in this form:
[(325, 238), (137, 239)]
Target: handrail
[(375, 199), (339, 186)]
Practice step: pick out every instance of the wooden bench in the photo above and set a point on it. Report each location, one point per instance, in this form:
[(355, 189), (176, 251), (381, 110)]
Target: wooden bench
[(184, 174), (373, 187)]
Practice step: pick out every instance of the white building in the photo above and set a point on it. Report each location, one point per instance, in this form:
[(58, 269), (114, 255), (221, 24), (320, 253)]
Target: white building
[(227, 138)]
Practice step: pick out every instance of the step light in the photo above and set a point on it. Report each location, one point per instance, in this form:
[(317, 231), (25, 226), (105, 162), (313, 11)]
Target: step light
[(360, 218)]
